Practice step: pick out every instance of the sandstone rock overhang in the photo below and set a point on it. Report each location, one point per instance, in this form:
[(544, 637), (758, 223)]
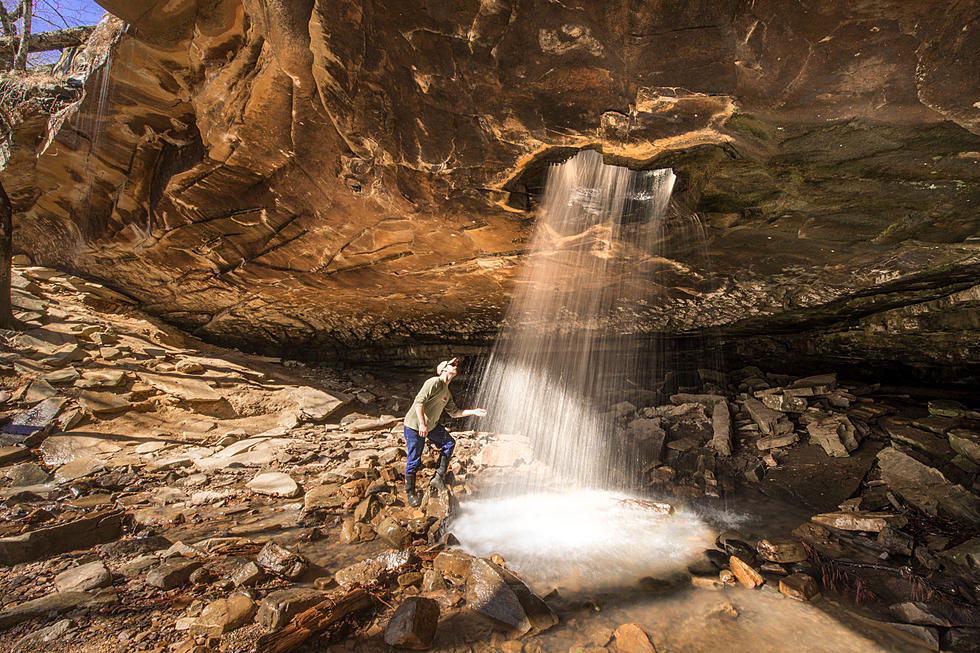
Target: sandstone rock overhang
[(354, 179)]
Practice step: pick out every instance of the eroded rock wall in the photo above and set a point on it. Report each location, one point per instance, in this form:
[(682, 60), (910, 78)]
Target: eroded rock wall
[(359, 178)]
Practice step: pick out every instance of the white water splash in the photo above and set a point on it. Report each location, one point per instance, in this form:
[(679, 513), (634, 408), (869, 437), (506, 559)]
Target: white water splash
[(582, 539)]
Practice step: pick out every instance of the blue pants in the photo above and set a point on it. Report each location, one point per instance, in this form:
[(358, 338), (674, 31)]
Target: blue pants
[(414, 443)]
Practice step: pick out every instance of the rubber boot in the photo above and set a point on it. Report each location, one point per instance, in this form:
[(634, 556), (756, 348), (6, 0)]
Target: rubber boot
[(410, 494), (438, 482)]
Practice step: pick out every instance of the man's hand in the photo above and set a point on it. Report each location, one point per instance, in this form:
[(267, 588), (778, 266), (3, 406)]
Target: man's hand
[(423, 431), (475, 412)]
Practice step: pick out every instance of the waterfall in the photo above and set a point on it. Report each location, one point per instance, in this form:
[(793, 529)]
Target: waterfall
[(579, 340), (571, 346)]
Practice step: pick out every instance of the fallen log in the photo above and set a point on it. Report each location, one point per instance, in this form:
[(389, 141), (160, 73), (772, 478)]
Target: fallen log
[(43, 41), (314, 621)]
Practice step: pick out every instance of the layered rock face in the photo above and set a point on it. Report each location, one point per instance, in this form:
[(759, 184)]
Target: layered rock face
[(359, 179)]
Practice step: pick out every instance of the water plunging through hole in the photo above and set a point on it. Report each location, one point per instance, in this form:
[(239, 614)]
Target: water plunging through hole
[(576, 344)]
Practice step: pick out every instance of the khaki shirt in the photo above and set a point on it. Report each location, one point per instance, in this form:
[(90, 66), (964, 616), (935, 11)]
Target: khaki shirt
[(434, 397)]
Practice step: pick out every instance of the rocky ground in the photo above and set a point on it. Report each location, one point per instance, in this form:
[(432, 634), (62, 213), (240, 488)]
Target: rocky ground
[(160, 494)]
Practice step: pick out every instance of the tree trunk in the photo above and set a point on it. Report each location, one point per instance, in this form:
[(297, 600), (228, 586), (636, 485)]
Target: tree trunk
[(20, 61), (6, 253), (7, 21), (43, 41)]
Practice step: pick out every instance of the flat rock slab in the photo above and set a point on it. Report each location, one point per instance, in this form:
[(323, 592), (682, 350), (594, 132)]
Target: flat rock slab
[(66, 447), (764, 417), (807, 476), (103, 404), (924, 441), (966, 443), (189, 390), (927, 489), (12, 453), (26, 474), (275, 484), (83, 578), (78, 534), (50, 603), (78, 468), (859, 520), (317, 405), (37, 419)]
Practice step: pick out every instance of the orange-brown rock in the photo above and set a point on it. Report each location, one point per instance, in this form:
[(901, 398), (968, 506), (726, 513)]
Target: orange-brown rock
[(340, 178), (630, 638), (745, 573)]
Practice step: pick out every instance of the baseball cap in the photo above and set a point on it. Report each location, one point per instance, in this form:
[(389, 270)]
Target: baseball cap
[(444, 364)]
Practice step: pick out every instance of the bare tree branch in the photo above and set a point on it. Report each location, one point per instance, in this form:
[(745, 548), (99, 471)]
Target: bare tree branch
[(42, 41)]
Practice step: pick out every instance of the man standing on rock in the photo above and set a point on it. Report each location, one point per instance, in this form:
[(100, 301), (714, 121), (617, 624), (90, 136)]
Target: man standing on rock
[(422, 421)]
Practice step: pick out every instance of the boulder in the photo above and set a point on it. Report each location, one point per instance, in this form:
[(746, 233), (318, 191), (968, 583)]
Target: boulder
[(137, 566), (835, 433), (172, 573), (78, 468), (394, 533), (895, 541), (453, 562), (42, 638), (782, 550), (800, 587), (926, 488), (432, 581), (497, 594), (764, 417), (368, 572), (193, 391), (323, 497), (785, 403), (765, 444), (649, 436), (631, 638), (414, 623), (948, 408), (281, 561), (278, 608), (745, 573), (316, 405), (966, 443), (224, 615), (966, 555), (247, 575), (135, 546), (275, 484), (83, 578)]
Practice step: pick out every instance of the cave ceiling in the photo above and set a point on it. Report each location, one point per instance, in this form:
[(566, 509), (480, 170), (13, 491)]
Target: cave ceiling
[(359, 179)]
